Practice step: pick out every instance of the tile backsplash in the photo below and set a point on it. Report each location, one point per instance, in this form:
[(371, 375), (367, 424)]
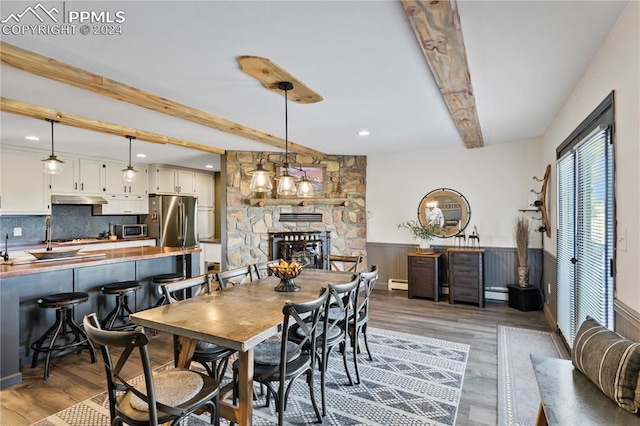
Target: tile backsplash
[(67, 221)]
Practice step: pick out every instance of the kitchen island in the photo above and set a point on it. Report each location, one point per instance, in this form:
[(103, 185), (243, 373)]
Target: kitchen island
[(21, 285)]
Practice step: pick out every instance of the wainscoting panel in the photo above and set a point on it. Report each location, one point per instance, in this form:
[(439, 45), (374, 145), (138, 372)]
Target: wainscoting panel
[(627, 321), (550, 284), (500, 264)]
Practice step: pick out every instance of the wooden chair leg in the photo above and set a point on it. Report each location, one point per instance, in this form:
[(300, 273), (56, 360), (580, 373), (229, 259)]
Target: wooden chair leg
[(541, 419)]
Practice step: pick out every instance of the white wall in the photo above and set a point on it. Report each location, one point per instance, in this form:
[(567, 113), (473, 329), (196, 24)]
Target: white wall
[(496, 180), (616, 67)]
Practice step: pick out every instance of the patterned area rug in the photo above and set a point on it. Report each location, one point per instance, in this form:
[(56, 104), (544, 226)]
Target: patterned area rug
[(412, 380), (518, 396)]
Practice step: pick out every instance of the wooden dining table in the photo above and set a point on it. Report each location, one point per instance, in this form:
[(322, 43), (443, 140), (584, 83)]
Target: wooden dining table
[(238, 317)]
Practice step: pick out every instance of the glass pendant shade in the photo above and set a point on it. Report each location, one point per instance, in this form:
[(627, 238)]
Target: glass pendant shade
[(287, 184), (260, 180), (129, 174), (305, 188), (51, 165)]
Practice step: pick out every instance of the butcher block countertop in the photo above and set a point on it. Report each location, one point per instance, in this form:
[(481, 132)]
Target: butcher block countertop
[(89, 258)]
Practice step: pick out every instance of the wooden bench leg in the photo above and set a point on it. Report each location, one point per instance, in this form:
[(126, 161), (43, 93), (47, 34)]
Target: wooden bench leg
[(541, 419)]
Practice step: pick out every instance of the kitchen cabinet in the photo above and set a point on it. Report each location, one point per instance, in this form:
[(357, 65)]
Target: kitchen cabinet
[(118, 204), (114, 184), (206, 225), (171, 181), (466, 275), (204, 189), (211, 254), (24, 188), (424, 275), (79, 176)]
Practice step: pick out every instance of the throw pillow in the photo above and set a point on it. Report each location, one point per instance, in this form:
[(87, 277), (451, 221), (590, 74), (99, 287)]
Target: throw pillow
[(610, 361)]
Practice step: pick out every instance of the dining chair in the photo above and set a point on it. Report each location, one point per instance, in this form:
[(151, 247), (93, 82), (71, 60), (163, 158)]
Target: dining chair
[(281, 360), (262, 269), (333, 330), (343, 263), (359, 317), (162, 397), (236, 276), (214, 358)]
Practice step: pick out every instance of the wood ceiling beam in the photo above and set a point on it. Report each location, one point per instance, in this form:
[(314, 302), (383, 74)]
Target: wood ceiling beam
[(42, 113), (65, 73), (437, 27)]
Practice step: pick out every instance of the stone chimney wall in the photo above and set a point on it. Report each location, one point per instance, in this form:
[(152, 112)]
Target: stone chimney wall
[(248, 224)]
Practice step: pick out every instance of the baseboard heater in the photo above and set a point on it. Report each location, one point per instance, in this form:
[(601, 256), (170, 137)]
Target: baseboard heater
[(496, 293), (398, 284)]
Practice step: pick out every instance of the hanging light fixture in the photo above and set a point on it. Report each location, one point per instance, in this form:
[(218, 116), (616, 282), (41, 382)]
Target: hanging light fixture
[(52, 165), (129, 174), (261, 178)]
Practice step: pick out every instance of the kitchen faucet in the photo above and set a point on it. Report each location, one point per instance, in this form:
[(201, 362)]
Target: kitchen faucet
[(47, 221)]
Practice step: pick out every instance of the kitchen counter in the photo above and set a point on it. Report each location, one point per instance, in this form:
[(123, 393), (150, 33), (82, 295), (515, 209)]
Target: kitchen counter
[(22, 321), (210, 240), (127, 254)]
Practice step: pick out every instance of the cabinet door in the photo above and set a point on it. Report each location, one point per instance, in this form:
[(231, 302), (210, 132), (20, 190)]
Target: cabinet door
[(24, 187), (91, 176), (186, 182), (205, 222), (204, 189), (67, 182), (141, 185), (112, 206), (423, 277), (166, 180), (113, 182)]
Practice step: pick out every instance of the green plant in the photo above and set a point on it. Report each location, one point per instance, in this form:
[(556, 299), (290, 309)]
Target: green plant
[(420, 231), (522, 239)]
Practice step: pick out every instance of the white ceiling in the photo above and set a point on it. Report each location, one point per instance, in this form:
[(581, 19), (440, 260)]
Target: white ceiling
[(361, 56)]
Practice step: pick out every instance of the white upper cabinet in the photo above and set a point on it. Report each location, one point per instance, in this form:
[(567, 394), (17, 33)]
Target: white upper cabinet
[(91, 176), (67, 182), (204, 189), (171, 180), (24, 188), (114, 184)]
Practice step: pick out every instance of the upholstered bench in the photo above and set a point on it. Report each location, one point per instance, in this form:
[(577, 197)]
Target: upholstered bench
[(568, 397), (599, 386)]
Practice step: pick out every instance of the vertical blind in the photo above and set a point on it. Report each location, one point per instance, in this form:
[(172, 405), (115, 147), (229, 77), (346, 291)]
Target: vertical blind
[(586, 219)]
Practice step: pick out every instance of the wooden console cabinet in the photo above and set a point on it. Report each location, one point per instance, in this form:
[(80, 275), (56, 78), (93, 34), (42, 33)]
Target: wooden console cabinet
[(466, 275), (424, 275)]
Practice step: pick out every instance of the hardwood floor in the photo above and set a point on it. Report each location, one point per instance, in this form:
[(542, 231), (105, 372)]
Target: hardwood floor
[(73, 378)]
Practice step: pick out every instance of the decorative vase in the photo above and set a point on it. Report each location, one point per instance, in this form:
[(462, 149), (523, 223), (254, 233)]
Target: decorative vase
[(287, 285), (523, 276), (424, 244)]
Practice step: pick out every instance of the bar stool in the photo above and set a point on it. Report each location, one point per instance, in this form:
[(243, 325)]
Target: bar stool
[(158, 280), (121, 311), (64, 325)]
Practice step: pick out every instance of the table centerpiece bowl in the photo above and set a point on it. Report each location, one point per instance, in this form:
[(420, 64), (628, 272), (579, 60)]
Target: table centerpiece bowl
[(287, 272)]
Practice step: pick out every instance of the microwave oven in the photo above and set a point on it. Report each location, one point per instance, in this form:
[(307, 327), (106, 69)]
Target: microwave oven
[(131, 231)]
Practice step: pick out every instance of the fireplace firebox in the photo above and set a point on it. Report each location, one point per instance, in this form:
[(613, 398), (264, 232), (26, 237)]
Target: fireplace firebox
[(307, 248)]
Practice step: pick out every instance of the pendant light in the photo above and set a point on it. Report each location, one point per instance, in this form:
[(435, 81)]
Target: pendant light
[(52, 165), (261, 178), (129, 174)]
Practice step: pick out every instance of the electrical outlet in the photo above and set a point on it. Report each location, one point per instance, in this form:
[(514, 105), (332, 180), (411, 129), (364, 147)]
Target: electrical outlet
[(17, 232), (621, 243)]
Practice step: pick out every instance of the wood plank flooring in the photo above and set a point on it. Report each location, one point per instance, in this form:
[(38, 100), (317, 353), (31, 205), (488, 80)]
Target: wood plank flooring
[(73, 378)]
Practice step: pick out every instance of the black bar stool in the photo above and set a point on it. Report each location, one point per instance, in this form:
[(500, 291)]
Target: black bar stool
[(158, 280), (56, 338), (122, 310)]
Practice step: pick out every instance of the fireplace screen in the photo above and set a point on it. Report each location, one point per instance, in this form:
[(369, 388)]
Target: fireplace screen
[(306, 248)]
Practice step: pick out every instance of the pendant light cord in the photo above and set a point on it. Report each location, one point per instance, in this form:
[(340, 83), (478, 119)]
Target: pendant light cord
[(51, 121), (130, 137)]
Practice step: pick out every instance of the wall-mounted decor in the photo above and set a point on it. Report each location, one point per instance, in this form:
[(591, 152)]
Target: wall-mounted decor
[(315, 174), (446, 207)]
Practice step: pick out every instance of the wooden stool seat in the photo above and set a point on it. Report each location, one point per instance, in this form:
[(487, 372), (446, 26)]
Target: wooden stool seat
[(56, 339), (122, 310)]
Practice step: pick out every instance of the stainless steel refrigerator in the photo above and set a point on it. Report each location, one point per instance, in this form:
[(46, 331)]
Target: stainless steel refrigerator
[(172, 220)]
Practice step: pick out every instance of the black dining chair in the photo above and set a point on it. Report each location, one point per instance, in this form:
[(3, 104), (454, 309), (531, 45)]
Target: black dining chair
[(333, 330), (262, 269), (281, 360), (236, 276), (163, 397), (214, 358), (337, 262), (359, 317)]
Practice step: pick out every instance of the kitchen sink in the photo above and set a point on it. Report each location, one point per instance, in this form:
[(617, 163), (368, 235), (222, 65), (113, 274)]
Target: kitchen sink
[(54, 254)]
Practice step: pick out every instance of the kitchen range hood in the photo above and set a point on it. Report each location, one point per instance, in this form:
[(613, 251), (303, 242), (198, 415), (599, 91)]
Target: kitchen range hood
[(86, 200)]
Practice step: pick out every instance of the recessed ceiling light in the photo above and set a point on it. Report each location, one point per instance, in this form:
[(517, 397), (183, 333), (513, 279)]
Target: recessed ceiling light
[(141, 155), (32, 138), (363, 133), (209, 166)]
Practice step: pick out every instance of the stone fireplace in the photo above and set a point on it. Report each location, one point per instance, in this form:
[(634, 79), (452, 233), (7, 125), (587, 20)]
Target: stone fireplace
[(254, 228), (306, 248)]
